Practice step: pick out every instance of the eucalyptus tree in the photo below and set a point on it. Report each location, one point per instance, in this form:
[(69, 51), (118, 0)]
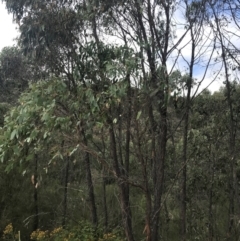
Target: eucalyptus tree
[(66, 39), (50, 105), (195, 16), (14, 73), (35, 123), (222, 17)]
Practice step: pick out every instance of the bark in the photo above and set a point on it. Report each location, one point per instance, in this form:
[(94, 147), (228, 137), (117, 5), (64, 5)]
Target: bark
[(120, 134), (184, 192), (127, 151), (91, 195), (105, 206), (159, 168), (147, 228), (167, 219), (185, 142), (124, 200), (184, 173), (35, 195), (162, 97), (65, 196), (210, 210)]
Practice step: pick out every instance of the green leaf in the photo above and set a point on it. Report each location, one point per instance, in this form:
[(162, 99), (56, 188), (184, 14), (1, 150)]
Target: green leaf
[(45, 135), (9, 167), (13, 134), (139, 114)]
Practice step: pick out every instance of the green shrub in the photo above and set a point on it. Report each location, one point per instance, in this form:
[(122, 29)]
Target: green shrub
[(82, 232)]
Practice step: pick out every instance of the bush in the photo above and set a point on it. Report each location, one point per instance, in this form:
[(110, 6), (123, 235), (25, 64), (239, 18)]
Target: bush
[(9, 234), (82, 232)]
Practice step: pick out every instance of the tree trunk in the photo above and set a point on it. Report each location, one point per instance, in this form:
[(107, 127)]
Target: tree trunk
[(159, 168), (147, 228), (184, 181), (183, 216), (185, 146), (210, 210), (124, 200), (127, 152), (65, 192), (232, 177), (90, 184), (35, 195), (105, 205)]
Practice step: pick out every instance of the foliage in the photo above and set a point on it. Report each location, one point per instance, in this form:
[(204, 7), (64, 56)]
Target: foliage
[(81, 232), (8, 233), (110, 129), (32, 123)]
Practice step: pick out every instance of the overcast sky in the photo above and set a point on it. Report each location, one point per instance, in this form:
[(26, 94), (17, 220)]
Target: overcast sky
[(7, 28), (9, 32)]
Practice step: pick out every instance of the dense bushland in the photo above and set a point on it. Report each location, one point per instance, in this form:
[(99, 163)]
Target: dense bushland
[(105, 134)]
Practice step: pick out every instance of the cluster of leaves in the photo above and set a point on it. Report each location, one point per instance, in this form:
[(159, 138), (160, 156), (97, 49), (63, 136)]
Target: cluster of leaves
[(83, 231), (49, 109), (8, 233)]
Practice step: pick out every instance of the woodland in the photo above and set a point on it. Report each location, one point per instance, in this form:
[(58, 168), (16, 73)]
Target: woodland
[(107, 132)]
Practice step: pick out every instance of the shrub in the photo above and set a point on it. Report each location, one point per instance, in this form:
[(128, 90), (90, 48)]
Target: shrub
[(82, 232)]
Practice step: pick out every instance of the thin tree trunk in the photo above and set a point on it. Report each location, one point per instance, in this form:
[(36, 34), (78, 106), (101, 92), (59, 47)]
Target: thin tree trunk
[(232, 178), (147, 228), (185, 147), (167, 219), (35, 195), (105, 205), (90, 184), (124, 201), (105, 208), (65, 192), (184, 178), (127, 150), (210, 210), (159, 173), (120, 135)]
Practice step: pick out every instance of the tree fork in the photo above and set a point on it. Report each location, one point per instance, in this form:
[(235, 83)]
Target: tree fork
[(125, 207)]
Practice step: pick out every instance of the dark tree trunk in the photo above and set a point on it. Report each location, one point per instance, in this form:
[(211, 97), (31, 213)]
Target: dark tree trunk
[(105, 205), (124, 200), (91, 195), (91, 190), (232, 177), (143, 163), (210, 210), (184, 181), (159, 168), (127, 151), (183, 217), (35, 194), (65, 196)]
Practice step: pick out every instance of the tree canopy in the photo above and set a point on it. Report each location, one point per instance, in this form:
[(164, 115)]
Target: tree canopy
[(107, 124)]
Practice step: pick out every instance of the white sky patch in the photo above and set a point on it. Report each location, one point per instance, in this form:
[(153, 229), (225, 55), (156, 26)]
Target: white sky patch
[(8, 29), (204, 51)]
